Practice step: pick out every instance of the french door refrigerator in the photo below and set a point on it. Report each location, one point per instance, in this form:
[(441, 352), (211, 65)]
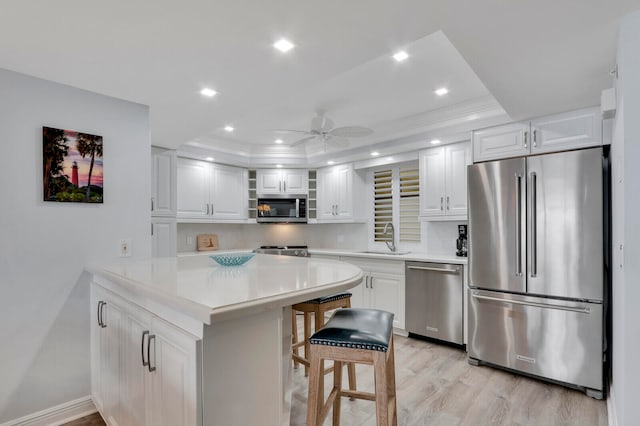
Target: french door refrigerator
[(536, 266)]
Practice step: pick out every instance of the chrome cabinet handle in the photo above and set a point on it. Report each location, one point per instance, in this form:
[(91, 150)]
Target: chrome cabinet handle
[(371, 282), (211, 209), (534, 225), (526, 137), (535, 138), (152, 229), (518, 225), (151, 368), (144, 363), (441, 203), (366, 282), (581, 310), (284, 184), (428, 268), (280, 186), (152, 206), (103, 324), (448, 203), (207, 208)]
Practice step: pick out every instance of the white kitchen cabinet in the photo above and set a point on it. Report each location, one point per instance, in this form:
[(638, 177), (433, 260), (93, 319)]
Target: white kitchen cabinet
[(337, 190), (571, 130), (283, 181), (163, 237), (144, 370), (211, 192), (443, 181), (163, 182), (383, 287)]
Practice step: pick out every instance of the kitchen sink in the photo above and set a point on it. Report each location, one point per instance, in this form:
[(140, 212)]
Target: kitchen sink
[(392, 253)]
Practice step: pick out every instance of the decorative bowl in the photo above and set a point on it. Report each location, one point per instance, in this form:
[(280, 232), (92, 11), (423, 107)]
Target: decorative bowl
[(232, 259)]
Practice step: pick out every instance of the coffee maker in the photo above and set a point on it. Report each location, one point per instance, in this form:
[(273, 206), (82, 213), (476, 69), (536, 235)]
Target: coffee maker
[(461, 242)]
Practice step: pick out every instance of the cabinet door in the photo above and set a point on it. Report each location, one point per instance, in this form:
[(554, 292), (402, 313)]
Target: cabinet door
[(193, 188), (137, 324), (575, 129), (327, 185), (110, 366), (163, 237), (295, 181), (510, 140), (458, 157), (269, 181), (387, 293), (97, 343), (229, 193), (173, 384), (432, 182), (360, 297), (343, 176), (163, 183)]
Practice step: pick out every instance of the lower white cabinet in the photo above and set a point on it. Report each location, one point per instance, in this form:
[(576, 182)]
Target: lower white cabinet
[(383, 287), (143, 369), (163, 237)]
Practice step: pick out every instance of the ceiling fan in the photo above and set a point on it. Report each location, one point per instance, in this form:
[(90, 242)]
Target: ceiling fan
[(322, 128)]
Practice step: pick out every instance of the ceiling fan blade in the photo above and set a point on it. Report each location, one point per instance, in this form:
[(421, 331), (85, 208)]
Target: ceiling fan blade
[(351, 131), (303, 140), (321, 123), (287, 131), (338, 142)]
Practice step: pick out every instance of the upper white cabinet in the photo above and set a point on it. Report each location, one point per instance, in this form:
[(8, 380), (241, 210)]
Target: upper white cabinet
[(163, 237), (283, 181), (163, 182), (443, 181), (337, 187), (558, 132), (211, 192)]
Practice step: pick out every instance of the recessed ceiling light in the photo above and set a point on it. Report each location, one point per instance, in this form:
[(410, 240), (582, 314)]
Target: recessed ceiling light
[(435, 141), (283, 45), (278, 141), (400, 56), (229, 128), (208, 92), (442, 91), (279, 166), (375, 153), (209, 158), (330, 162)]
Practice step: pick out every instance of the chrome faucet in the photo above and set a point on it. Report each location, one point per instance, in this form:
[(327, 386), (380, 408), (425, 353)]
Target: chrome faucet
[(392, 243)]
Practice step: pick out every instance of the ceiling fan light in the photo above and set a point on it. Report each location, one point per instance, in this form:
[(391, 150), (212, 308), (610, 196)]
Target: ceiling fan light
[(283, 45), (401, 56)]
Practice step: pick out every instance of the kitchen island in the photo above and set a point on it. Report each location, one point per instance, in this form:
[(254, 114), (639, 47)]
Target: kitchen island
[(186, 341)]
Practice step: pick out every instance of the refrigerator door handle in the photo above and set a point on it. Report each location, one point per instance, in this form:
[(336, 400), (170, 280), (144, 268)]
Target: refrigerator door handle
[(534, 225), (581, 310), (518, 225)]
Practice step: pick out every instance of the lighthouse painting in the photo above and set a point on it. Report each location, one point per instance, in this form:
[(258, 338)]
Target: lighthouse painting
[(72, 166)]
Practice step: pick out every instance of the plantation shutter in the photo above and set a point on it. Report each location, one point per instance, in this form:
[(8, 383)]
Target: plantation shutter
[(383, 203), (409, 205)]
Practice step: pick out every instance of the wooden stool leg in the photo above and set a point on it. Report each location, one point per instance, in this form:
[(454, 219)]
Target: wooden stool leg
[(307, 335), (391, 384), (381, 388), (294, 337), (351, 367), (315, 397), (337, 384)]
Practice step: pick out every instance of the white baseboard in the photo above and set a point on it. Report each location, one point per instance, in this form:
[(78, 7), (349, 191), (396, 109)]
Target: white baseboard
[(612, 415), (57, 415)]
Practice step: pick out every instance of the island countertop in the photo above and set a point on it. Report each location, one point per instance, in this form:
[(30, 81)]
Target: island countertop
[(208, 292)]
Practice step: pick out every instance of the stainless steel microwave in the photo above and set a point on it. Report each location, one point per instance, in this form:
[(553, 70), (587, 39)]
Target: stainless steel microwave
[(282, 208)]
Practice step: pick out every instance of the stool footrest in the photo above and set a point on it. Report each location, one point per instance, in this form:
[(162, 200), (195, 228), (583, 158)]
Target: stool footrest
[(358, 395)]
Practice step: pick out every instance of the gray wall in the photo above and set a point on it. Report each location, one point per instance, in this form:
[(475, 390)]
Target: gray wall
[(44, 294), (626, 228)]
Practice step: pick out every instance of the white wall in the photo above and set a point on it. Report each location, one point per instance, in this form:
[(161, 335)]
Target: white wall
[(346, 236), (44, 293), (626, 227)]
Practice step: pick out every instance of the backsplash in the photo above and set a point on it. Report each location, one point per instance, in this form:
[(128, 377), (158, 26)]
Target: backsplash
[(352, 236), (441, 236)]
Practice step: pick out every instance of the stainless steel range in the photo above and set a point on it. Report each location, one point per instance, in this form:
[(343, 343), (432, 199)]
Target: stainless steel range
[(299, 251)]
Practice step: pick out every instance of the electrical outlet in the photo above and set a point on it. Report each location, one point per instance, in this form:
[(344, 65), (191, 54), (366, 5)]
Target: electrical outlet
[(189, 240), (124, 249)]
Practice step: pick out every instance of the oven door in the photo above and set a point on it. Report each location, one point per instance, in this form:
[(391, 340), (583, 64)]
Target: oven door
[(284, 208)]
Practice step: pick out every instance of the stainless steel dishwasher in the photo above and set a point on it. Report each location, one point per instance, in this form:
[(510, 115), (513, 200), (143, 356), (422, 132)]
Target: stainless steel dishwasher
[(434, 303)]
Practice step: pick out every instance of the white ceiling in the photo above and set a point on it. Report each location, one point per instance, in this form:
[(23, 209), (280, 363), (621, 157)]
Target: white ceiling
[(531, 56)]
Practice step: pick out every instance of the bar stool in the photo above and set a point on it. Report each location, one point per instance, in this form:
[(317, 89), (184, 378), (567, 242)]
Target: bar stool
[(362, 336), (318, 307)]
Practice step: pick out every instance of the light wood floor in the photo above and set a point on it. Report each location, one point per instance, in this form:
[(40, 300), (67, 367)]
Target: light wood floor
[(436, 386)]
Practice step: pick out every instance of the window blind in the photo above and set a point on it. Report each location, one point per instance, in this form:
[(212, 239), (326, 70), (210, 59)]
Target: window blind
[(383, 203), (409, 205)]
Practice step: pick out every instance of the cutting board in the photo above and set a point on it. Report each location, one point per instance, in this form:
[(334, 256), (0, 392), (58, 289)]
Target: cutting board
[(207, 242)]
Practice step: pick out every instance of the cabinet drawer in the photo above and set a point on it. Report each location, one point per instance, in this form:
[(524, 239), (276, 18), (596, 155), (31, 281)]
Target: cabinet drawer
[(395, 267)]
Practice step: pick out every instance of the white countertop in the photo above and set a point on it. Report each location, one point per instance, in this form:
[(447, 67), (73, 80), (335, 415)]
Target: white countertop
[(417, 257), (201, 288)]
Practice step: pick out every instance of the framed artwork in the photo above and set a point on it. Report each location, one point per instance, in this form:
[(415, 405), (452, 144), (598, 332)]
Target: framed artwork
[(72, 166)]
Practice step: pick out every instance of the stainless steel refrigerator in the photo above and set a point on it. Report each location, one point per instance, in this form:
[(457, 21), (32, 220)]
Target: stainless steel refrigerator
[(536, 266)]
